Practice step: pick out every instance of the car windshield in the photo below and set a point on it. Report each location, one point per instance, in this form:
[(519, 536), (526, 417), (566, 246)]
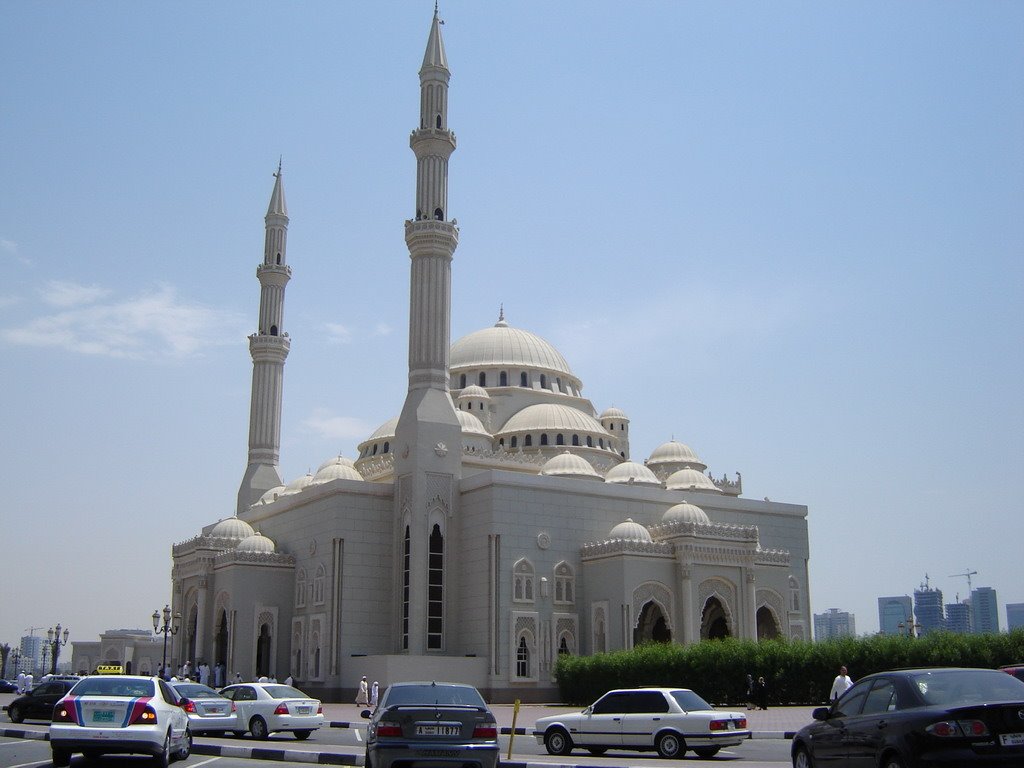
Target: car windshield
[(461, 695), (197, 691), (126, 687), (690, 701), (284, 692), (967, 686)]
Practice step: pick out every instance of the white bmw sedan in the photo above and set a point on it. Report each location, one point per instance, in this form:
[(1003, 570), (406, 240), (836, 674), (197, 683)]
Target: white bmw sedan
[(120, 714), (266, 708), (669, 720)]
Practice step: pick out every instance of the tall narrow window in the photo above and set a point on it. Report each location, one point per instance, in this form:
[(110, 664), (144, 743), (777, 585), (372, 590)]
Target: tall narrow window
[(524, 380), (543, 381), (522, 659), (435, 590), (575, 439), (462, 381), (560, 439), (503, 379), (405, 592), (544, 439), (528, 440), (515, 441), (483, 378)]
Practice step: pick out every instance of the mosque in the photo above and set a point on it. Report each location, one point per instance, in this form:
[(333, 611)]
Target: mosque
[(497, 521)]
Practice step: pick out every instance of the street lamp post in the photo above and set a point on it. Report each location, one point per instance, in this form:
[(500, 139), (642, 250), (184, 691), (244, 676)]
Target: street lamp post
[(55, 643), (170, 626), (16, 656)]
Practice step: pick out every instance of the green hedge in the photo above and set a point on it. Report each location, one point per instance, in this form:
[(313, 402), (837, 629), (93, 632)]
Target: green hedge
[(796, 672)]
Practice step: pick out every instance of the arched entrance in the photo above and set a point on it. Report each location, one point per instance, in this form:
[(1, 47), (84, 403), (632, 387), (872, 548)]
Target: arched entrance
[(651, 626), (263, 651), (767, 627), (714, 623), (191, 629), (220, 641)]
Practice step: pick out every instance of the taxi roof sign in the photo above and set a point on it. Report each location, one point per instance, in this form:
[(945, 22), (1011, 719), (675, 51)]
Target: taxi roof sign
[(109, 669)]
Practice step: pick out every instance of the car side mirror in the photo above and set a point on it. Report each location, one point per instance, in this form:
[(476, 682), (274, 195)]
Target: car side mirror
[(820, 713), (366, 714), (589, 710)]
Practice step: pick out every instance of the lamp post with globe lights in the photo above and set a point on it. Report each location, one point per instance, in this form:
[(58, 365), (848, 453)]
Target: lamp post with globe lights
[(170, 626), (55, 643)]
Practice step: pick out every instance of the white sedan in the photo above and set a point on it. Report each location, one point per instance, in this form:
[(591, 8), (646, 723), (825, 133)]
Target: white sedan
[(120, 714), (669, 720), (266, 708)]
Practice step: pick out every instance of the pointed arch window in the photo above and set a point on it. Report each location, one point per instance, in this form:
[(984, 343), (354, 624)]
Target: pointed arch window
[(318, 584), (590, 441), (439, 214), (560, 439), (575, 439), (515, 441), (503, 379), (279, 259), (462, 381), (523, 658), (543, 381), (438, 122), (405, 590), (482, 379), (524, 380), (544, 439), (522, 581), (273, 330), (528, 441), (300, 588), (387, 445), (565, 583), (435, 589)]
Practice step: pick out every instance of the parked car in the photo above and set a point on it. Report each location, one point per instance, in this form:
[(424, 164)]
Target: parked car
[(1017, 670), (8, 686), (266, 708), (208, 711), (919, 717), (37, 704), (120, 714), (669, 720), (433, 723)]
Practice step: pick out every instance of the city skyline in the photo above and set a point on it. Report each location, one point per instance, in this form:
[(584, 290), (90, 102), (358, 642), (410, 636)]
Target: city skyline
[(787, 236)]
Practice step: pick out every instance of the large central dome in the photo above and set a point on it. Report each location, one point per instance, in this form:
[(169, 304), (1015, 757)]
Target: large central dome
[(506, 347)]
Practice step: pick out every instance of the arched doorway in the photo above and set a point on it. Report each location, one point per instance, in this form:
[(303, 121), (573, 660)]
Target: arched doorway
[(220, 649), (767, 627), (263, 651), (652, 625), (191, 629), (714, 622)]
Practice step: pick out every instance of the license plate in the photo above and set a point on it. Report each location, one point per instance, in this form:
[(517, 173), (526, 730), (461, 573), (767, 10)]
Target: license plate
[(438, 730), (1011, 739), (215, 710), (731, 725), (303, 710), (103, 716)]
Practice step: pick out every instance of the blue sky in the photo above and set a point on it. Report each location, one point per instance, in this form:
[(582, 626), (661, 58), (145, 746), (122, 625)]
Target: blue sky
[(786, 234)]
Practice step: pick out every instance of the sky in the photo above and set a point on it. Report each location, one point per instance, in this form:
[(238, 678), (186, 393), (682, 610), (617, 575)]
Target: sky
[(787, 234)]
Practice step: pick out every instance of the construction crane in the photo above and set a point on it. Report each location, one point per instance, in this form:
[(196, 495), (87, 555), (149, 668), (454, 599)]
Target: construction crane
[(966, 574), (31, 630)]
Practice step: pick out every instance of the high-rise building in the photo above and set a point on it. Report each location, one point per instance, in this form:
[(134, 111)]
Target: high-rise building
[(984, 611), (958, 617), (895, 614), (834, 623), (1014, 616), (928, 608), (32, 647)]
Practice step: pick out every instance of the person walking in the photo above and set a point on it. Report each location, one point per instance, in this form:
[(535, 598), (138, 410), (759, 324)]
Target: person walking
[(840, 685), (363, 697), (761, 693), (750, 691), (374, 694)]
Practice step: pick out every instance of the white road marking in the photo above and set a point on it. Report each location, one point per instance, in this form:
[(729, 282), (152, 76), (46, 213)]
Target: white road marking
[(19, 741), (357, 732), (204, 762), (25, 765)]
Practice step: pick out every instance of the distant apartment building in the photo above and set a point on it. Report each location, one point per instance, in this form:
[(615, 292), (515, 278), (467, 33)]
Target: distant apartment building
[(928, 609), (1014, 616), (32, 648), (834, 623), (895, 614), (958, 617), (984, 611)]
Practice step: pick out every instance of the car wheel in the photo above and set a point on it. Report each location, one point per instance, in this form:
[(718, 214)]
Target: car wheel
[(706, 751), (258, 729), (892, 761), (302, 735), (60, 757), (671, 745), (802, 758), (16, 713), (163, 758), (598, 751), (557, 742), (186, 748)]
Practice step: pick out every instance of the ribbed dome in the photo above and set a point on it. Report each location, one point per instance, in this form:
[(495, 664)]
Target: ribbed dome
[(339, 459), (387, 429), (569, 465), (255, 543), (338, 468), (674, 452), (474, 391), (232, 528), (297, 485), (630, 531), (685, 513), (271, 495), (504, 346), (552, 417), (470, 423), (690, 479), (633, 473), (613, 413)]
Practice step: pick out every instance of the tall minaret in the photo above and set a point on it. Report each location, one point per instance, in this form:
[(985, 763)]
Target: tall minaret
[(428, 438), (269, 349)]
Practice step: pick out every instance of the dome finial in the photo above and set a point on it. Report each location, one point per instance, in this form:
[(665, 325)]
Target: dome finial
[(501, 317)]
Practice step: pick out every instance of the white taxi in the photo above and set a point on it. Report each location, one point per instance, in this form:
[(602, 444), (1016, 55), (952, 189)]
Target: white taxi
[(120, 714), (266, 708)]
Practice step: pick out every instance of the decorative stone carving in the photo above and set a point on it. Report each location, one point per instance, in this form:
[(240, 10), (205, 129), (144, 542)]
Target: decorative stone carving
[(660, 594), (624, 547)]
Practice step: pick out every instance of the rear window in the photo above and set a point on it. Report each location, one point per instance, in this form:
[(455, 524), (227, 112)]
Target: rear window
[(462, 695), (958, 687), (690, 701), (284, 692), (128, 688), (197, 691)]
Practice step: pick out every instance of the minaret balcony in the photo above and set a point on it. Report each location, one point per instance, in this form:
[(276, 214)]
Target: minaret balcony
[(263, 346), (281, 270), (431, 235), (432, 141)]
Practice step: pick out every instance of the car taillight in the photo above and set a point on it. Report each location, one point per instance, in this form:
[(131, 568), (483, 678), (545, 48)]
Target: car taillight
[(719, 725), (389, 729), (64, 712), (486, 731), (319, 709), (189, 706), (282, 709), (144, 715), (957, 728), (233, 707)]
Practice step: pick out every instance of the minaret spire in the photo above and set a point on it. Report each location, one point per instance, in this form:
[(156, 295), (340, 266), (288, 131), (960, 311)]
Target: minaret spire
[(269, 348)]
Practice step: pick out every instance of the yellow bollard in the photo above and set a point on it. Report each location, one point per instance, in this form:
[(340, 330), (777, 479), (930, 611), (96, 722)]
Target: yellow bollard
[(512, 736)]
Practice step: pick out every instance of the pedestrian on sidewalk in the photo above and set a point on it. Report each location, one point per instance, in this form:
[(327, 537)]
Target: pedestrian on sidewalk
[(363, 697), (750, 691), (761, 693), (840, 685)]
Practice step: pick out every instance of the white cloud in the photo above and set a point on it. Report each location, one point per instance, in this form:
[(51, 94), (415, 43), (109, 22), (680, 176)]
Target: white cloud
[(338, 333), (382, 329), (150, 326), (332, 427)]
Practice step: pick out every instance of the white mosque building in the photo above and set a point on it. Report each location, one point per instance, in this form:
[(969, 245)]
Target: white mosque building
[(497, 521)]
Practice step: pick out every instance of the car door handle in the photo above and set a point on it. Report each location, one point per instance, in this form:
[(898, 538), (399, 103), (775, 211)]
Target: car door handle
[(655, 719), (616, 719)]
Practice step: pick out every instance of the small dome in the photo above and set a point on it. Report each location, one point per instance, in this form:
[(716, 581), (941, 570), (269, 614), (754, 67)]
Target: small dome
[(297, 485), (553, 417), (471, 424), (339, 468), (613, 413), (232, 528), (255, 543), (685, 513), (339, 459), (674, 452), (387, 429), (691, 480), (569, 465), (630, 531), (633, 473), (474, 391), (271, 495)]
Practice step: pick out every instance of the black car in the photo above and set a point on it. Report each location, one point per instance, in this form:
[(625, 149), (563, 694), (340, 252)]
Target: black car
[(442, 724), (918, 718), (8, 686), (38, 703)]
